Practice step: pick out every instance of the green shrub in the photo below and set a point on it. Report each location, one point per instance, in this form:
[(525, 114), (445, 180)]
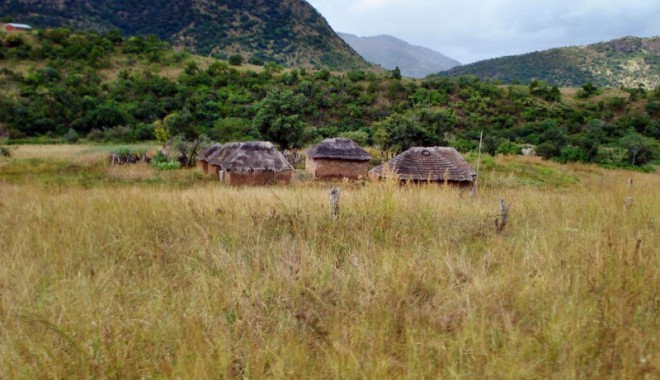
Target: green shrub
[(653, 108), (255, 60), (616, 103), (508, 148), (611, 155), (547, 149), (236, 60), (159, 157), (359, 137), (168, 165), (163, 162), (71, 136), (572, 153), (463, 145)]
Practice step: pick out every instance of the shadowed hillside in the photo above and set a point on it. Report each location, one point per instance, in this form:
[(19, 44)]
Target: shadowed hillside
[(288, 32)]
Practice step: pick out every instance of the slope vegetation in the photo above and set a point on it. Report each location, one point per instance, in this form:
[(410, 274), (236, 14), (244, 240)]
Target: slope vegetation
[(64, 84), (288, 32), (625, 62)]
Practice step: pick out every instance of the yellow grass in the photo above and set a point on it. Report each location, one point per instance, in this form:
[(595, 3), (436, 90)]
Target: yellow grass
[(51, 152), (142, 281)]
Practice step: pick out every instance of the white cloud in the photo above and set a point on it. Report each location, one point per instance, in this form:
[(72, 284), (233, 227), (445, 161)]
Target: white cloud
[(367, 5)]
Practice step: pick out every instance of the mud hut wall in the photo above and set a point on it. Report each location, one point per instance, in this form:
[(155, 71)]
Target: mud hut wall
[(259, 178), (457, 184), (203, 166), (213, 171), (325, 168), (310, 165)]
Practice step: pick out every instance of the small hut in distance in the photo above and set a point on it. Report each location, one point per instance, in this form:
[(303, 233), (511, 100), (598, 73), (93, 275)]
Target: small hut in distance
[(254, 163), (216, 158), (202, 158), (428, 164), (337, 158)]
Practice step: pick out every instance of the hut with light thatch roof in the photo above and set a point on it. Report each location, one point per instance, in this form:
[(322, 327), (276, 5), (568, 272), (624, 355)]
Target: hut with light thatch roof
[(255, 163), (427, 164), (337, 158), (202, 158), (215, 159)]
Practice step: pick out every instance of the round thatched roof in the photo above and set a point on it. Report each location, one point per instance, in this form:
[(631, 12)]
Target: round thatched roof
[(255, 156), (208, 152), (338, 149), (428, 164), (219, 154)]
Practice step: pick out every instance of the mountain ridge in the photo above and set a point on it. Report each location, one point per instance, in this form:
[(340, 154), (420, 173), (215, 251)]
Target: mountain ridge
[(623, 62), (390, 52), (290, 32)]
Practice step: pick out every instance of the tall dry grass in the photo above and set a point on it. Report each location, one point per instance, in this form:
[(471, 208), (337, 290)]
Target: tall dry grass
[(409, 282)]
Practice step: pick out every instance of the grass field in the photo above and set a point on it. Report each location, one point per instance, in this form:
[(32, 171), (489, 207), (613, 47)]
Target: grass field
[(126, 272)]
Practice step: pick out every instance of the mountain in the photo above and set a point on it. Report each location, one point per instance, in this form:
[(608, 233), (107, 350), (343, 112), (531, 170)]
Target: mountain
[(624, 62), (390, 52), (289, 32)]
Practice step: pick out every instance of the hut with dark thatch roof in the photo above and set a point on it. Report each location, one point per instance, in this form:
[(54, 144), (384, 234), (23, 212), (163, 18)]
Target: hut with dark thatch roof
[(255, 163), (337, 158), (427, 164), (215, 159), (202, 158)]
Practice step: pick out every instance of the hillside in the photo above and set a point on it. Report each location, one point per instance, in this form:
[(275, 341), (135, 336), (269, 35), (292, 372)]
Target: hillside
[(289, 32), (390, 52), (66, 85), (624, 62)]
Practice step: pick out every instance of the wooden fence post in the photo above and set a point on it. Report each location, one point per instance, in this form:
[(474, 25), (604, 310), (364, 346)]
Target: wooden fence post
[(334, 201), (504, 215)]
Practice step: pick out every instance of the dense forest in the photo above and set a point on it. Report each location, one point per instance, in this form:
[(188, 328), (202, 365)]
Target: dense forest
[(62, 85)]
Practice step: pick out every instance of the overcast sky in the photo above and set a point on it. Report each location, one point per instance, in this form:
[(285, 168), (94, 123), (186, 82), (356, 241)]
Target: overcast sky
[(472, 30)]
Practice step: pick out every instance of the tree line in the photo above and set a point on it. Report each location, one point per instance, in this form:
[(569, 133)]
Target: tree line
[(70, 85)]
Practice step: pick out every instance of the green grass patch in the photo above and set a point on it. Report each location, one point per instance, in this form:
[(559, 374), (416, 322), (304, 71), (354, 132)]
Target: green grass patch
[(62, 173)]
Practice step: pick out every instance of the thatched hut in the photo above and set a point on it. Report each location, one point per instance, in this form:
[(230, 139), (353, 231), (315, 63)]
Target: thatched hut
[(255, 163), (202, 158), (215, 159), (337, 158), (427, 164)]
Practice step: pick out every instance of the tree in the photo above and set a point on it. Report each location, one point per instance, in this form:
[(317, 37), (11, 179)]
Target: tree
[(542, 90), (653, 108), (641, 149), (236, 60), (180, 124), (272, 68), (233, 129), (588, 90), (359, 137), (396, 73), (278, 118), (507, 147), (399, 132), (115, 36), (134, 45), (188, 149), (356, 75), (160, 132)]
